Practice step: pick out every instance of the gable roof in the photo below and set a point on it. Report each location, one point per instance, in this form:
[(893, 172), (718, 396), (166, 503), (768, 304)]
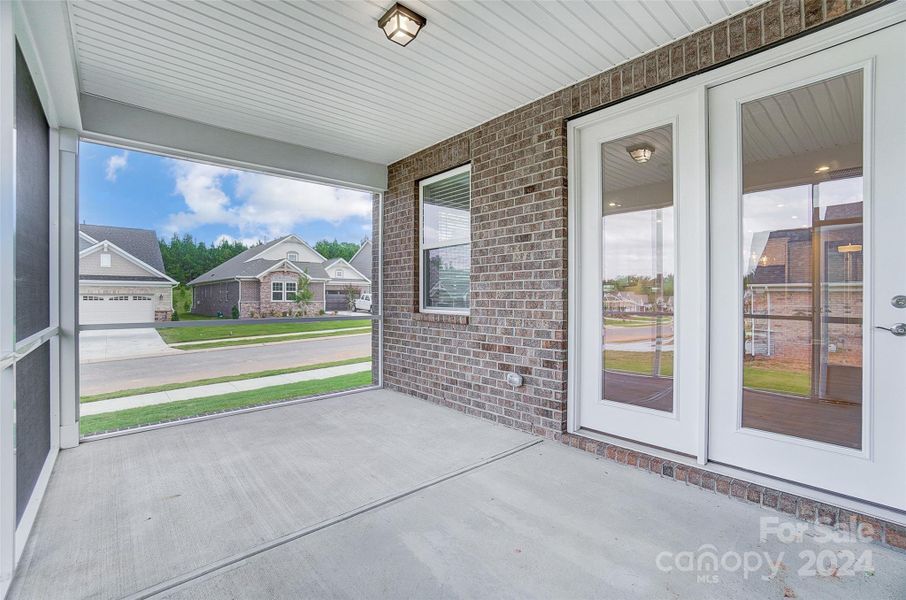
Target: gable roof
[(291, 237), (140, 243), (361, 260), (245, 265), (345, 264), (108, 246)]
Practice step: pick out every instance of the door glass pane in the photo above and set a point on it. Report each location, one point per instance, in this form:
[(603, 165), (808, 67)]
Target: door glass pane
[(638, 269), (802, 267)]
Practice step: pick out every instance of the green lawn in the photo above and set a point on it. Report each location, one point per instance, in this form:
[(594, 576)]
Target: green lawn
[(182, 296), (774, 380), (637, 362), (265, 340), (243, 329), (754, 377), (175, 386), (635, 321), (147, 415)]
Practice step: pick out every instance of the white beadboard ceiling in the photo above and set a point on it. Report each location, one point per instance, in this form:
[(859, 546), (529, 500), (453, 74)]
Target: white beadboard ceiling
[(819, 116), (321, 74)]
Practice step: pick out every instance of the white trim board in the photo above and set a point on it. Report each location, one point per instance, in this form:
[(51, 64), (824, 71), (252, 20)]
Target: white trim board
[(111, 122)]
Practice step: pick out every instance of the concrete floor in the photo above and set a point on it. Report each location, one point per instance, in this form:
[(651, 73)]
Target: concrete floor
[(378, 495)]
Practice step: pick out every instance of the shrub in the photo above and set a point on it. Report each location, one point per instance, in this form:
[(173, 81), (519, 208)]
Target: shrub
[(175, 316), (235, 312)]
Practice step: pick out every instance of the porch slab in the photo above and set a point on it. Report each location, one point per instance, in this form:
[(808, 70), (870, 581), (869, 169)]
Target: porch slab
[(128, 514)]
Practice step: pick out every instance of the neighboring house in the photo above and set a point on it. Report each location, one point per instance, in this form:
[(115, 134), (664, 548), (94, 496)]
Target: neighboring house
[(361, 260), (121, 276), (262, 280)]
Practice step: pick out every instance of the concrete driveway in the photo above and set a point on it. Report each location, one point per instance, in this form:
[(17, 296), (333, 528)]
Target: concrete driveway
[(115, 344)]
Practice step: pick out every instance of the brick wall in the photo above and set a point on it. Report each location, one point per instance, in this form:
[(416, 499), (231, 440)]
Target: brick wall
[(519, 225)]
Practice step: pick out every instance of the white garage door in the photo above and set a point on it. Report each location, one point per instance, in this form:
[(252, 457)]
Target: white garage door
[(94, 309)]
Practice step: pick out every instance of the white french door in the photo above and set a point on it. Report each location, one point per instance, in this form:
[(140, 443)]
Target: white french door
[(807, 164), (640, 295)]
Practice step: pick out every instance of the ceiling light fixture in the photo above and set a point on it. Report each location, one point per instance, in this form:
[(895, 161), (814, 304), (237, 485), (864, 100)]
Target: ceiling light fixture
[(822, 169), (641, 153), (849, 248), (401, 24)]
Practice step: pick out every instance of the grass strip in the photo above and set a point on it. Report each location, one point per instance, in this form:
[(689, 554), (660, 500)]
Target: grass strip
[(756, 378), (166, 387), (241, 329), (170, 411), (641, 363), (774, 380), (266, 340)]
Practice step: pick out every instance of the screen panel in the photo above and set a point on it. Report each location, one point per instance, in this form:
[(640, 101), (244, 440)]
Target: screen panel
[(32, 207), (32, 422)]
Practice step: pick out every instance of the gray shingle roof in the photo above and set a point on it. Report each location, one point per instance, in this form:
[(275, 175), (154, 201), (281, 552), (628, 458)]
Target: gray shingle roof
[(238, 267), (140, 243), (361, 262)]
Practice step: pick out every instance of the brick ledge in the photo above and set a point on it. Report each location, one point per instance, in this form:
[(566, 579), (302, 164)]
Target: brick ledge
[(799, 507), (441, 318)]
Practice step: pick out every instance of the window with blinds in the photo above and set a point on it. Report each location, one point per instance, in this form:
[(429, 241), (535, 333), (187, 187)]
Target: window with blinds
[(445, 241)]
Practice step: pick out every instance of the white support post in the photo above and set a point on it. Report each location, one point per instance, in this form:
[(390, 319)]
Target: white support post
[(68, 300), (7, 298)]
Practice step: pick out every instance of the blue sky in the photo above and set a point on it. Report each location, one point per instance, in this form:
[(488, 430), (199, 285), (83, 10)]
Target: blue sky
[(137, 189)]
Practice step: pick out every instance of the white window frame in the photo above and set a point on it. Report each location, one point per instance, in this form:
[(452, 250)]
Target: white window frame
[(274, 290), (466, 168), (292, 256), (106, 260), (339, 273), (287, 291)]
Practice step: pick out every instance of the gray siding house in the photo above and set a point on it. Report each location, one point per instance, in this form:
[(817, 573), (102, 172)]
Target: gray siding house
[(261, 281), (121, 276)]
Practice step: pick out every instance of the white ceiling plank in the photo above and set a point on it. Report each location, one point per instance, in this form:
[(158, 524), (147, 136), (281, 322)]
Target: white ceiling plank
[(321, 74)]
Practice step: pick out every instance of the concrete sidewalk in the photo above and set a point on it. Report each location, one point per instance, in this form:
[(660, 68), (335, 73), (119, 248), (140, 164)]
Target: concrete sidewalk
[(215, 389)]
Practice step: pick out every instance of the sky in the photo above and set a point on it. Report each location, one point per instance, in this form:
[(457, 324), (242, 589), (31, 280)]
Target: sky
[(126, 188)]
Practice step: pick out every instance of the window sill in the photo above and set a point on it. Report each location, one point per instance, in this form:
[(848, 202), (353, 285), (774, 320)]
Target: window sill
[(451, 318)]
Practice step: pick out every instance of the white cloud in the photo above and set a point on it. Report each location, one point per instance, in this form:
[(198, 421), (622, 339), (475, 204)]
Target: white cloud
[(225, 237), (115, 164), (262, 206)]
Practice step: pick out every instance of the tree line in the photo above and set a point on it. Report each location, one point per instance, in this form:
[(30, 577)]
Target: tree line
[(185, 258)]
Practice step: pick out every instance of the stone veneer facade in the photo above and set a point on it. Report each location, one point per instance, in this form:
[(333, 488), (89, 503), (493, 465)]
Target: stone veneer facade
[(518, 317)]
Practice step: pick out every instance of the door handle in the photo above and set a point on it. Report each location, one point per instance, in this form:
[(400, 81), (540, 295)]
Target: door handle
[(898, 329)]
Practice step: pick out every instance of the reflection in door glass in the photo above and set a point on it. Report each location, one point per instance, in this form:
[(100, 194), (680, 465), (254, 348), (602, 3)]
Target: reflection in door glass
[(802, 267), (638, 269)]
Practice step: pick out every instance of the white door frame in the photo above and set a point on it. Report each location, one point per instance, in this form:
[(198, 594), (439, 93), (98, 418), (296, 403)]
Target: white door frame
[(853, 28), (867, 472), (685, 112)]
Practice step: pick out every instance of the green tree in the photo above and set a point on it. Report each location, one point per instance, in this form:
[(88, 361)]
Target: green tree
[(336, 249), (185, 259), (303, 295)]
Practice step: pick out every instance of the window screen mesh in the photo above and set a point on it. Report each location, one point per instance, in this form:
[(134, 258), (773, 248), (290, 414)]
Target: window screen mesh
[(32, 207), (32, 422)]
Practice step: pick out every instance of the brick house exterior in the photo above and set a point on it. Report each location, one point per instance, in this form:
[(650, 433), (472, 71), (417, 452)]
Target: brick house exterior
[(245, 281), (518, 317)]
